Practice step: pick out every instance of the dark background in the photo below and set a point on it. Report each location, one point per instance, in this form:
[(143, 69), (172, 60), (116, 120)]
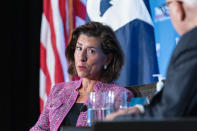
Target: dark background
[(22, 103)]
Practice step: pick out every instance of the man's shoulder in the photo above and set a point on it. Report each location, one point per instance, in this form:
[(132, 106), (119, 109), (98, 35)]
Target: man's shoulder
[(188, 40), (186, 47)]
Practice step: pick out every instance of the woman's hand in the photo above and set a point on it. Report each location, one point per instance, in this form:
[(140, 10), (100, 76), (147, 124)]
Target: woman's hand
[(131, 110)]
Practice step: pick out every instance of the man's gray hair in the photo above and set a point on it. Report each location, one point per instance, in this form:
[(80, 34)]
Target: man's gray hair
[(191, 3)]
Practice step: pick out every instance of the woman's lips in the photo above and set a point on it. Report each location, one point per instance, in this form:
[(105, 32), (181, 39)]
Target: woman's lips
[(81, 67)]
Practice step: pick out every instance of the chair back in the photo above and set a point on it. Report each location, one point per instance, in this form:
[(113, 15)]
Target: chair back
[(145, 90)]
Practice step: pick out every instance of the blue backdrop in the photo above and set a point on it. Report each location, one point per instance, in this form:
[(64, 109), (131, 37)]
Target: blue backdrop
[(165, 35)]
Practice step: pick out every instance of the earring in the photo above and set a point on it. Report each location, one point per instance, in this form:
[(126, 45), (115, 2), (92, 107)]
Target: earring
[(105, 67)]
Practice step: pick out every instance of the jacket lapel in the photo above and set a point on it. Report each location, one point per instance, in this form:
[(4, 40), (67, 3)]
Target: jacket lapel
[(65, 101)]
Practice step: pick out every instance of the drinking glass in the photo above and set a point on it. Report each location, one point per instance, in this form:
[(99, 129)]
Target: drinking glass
[(121, 101), (100, 104)]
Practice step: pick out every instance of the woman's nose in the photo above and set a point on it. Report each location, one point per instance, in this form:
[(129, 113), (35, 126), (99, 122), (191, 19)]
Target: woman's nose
[(84, 55)]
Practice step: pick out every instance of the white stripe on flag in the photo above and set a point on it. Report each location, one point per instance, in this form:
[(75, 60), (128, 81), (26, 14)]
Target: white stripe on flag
[(44, 28), (42, 89), (79, 21)]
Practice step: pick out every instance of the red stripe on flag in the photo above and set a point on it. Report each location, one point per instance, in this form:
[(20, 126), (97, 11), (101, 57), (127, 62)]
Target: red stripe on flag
[(46, 8), (43, 67), (79, 9), (59, 77), (41, 105)]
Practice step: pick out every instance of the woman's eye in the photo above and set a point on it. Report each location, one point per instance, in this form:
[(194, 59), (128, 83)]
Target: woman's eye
[(91, 51), (78, 48)]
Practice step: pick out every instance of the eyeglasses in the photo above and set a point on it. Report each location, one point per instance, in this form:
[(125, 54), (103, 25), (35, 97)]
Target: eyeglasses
[(168, 3), (164, 8)]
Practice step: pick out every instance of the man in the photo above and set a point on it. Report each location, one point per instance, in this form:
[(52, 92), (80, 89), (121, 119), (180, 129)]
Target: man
[(178, 98)]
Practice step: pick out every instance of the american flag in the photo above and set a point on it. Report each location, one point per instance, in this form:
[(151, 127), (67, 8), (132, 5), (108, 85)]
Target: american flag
[(59, 18)]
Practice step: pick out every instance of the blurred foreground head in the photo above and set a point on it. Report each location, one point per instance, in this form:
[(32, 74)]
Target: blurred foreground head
[(183, 14)]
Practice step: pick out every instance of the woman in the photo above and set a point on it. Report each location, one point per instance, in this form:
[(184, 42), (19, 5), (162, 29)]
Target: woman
[(96, 57)]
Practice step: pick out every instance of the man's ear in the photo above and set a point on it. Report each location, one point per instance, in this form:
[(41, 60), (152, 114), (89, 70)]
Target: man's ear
[(180, 11)]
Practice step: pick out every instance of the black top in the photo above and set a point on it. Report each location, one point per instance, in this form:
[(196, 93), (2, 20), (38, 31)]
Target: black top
[(72, 116)]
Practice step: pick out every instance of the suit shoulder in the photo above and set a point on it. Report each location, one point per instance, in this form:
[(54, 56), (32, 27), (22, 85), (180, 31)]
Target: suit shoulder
[(115, 87), (118, 88), (60, 87)]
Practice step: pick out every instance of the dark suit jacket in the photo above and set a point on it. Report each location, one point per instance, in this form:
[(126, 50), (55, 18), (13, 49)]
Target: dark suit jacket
[(179, 95)]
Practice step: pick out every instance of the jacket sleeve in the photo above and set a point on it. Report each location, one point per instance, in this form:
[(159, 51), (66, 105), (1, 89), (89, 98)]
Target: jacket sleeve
[(43, 123)]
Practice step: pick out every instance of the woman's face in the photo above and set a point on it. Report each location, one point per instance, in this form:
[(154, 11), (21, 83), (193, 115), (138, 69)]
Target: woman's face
[(89, 58)]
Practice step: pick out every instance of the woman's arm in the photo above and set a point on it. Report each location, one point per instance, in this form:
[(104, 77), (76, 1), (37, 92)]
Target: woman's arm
[(43, 123)]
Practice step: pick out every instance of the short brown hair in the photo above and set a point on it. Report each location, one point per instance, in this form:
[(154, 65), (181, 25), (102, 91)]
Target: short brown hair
[(109, 45)]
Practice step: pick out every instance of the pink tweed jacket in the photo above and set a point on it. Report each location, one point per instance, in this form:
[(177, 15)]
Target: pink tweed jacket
[(62, 97)]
